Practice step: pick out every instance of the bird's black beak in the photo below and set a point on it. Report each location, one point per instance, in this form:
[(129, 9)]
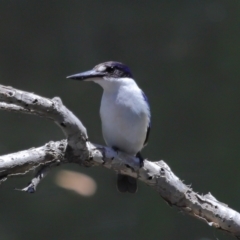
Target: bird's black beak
[(88, 75)]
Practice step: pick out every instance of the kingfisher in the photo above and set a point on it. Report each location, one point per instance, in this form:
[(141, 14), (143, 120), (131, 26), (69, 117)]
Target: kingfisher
[(124, 111)]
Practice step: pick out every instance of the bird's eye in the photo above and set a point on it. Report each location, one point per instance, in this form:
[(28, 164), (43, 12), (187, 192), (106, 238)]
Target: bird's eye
[(109, 69)]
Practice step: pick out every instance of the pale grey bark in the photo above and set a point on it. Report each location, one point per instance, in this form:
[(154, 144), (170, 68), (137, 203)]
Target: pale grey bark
[(77, 149)]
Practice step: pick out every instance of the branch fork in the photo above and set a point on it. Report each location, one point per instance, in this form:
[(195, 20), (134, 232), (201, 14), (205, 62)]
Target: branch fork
[(76, 148)]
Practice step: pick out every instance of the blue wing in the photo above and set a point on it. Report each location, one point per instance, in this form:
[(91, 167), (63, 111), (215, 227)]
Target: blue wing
[(147, 136), (149, 124)]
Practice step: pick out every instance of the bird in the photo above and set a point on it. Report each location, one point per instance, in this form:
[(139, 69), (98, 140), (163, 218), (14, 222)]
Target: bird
[(124, 112)]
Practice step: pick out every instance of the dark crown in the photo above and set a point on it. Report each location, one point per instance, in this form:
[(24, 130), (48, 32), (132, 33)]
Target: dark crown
[(114, 69)]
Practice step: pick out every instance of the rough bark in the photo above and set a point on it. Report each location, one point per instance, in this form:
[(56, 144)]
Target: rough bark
[(76, 148)]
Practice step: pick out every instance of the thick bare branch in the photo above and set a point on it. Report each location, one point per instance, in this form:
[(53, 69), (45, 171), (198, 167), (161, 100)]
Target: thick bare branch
[(157, 175)]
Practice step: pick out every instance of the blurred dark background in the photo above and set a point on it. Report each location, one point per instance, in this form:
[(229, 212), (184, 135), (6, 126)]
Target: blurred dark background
[(183, 54)]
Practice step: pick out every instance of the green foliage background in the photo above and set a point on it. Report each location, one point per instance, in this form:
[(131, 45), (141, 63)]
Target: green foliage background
[(184, 54)]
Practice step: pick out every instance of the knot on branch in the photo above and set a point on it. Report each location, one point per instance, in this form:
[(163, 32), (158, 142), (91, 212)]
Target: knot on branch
[(54, 151), (57, 100)]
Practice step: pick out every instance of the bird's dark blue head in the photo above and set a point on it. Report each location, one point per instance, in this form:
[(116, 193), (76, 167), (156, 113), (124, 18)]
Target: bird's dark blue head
[(109, 69), (114, 69)]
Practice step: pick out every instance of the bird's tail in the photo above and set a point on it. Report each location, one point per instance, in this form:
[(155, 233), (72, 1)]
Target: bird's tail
[(126, 183)]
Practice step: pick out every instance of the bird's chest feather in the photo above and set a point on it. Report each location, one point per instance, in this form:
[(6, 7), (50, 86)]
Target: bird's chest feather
[(124, 120)]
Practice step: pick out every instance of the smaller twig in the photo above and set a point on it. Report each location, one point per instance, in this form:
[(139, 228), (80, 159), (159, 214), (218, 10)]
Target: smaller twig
[(13, 108), (32, 186)]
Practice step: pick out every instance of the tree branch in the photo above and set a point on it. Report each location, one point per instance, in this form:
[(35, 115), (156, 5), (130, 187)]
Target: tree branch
[(77, 149)]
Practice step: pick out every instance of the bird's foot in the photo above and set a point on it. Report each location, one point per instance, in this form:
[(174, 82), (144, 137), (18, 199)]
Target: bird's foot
[(141, 160), (116, 149)]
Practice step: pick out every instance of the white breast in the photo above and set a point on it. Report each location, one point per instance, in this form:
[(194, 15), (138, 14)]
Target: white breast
[(125, 118)]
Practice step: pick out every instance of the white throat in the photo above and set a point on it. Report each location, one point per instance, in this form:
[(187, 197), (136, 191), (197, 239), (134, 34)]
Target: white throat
[(113, 84)]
